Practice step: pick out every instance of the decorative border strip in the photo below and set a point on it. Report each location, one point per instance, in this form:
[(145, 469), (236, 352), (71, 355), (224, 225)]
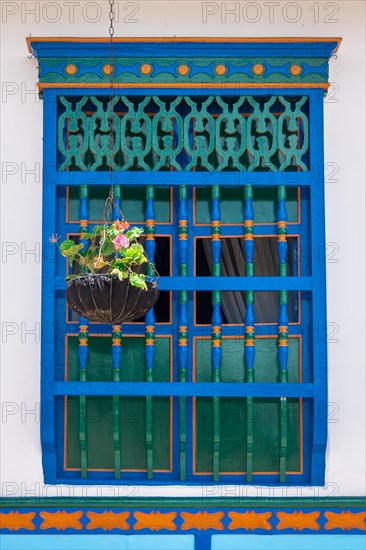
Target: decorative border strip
[(212, 515), (220, 87), (258, 69)]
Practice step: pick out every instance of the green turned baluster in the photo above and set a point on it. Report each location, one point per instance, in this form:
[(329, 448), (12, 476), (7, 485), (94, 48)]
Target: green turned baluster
[(116, 364), (249, 350), (150, 248), (116, 358), (83, 343), (183, 324), (282, 248), (83, 357), (216, 351)]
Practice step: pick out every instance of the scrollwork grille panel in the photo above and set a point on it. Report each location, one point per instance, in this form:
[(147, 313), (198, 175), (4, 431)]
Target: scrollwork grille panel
[(183, 133)]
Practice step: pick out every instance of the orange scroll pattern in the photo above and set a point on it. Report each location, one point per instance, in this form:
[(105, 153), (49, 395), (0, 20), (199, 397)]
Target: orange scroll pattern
[(108, 521), (155, 521), (14, 521), (61, 520), (345, 520), (298, 521), (250, 521), (202, 521)]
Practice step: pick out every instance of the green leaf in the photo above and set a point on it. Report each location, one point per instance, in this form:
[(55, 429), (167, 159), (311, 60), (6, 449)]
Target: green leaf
[(69, 248), (108, 247), (138, 280), (134, 233), (120, 273), (135, 254), (98, 229), (83, 260)]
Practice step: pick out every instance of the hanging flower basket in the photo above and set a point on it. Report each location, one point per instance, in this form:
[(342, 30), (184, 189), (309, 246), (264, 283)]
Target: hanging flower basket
[(108, 282), (109, 285), (105, 299)]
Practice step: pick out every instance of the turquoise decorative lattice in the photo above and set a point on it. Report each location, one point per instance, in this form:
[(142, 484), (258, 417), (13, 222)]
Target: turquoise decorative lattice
[(264, 133)]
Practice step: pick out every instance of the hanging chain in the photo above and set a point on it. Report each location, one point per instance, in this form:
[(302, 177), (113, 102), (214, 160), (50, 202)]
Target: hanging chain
[(111, 19), (109, 203)]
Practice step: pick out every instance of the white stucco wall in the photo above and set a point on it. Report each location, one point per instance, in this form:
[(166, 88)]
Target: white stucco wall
[(21, 151)]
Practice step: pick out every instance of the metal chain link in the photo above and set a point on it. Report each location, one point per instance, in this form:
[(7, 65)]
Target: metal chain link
[(110, 203), (111, 18), (110, 200)]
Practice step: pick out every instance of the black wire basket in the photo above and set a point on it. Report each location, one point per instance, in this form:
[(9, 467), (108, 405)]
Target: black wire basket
[(105, 299)]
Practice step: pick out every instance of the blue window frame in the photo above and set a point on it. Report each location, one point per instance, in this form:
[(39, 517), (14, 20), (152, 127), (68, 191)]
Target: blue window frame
[(211, 399)]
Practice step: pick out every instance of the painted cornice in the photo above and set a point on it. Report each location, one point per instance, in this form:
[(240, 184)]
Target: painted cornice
[(162, 62)]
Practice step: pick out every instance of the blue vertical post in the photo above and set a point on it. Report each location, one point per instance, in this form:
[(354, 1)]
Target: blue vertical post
[(116, 358), (216, 351), (183, 324), (48, 286), (319, 312), (83, 341), (150, 327), (249, 321), (282, 248)]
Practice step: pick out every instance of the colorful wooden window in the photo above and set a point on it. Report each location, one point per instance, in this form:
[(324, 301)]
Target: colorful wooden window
[(224, 381)]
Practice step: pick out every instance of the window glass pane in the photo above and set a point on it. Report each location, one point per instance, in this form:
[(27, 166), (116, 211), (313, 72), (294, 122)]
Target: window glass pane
[(232, 258), (266, 307)]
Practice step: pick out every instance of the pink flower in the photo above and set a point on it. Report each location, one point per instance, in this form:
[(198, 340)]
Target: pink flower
[(121, 225), (121, 241)]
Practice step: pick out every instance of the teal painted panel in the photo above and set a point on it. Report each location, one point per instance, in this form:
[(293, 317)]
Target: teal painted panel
[(97, 542), (233, 427), (288, 542), (133, 359), (232, 204), (132, 203), (132, 409), (232, 367)]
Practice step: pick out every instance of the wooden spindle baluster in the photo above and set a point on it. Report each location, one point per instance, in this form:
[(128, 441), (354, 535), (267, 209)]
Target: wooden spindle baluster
[(216, 351), (83, 343), (150, 248), (116, 367), (249, 321), (116, 358), (282, 247), (183, 323)]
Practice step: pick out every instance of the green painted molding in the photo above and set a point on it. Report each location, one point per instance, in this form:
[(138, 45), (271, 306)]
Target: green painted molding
[(190, 502)]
